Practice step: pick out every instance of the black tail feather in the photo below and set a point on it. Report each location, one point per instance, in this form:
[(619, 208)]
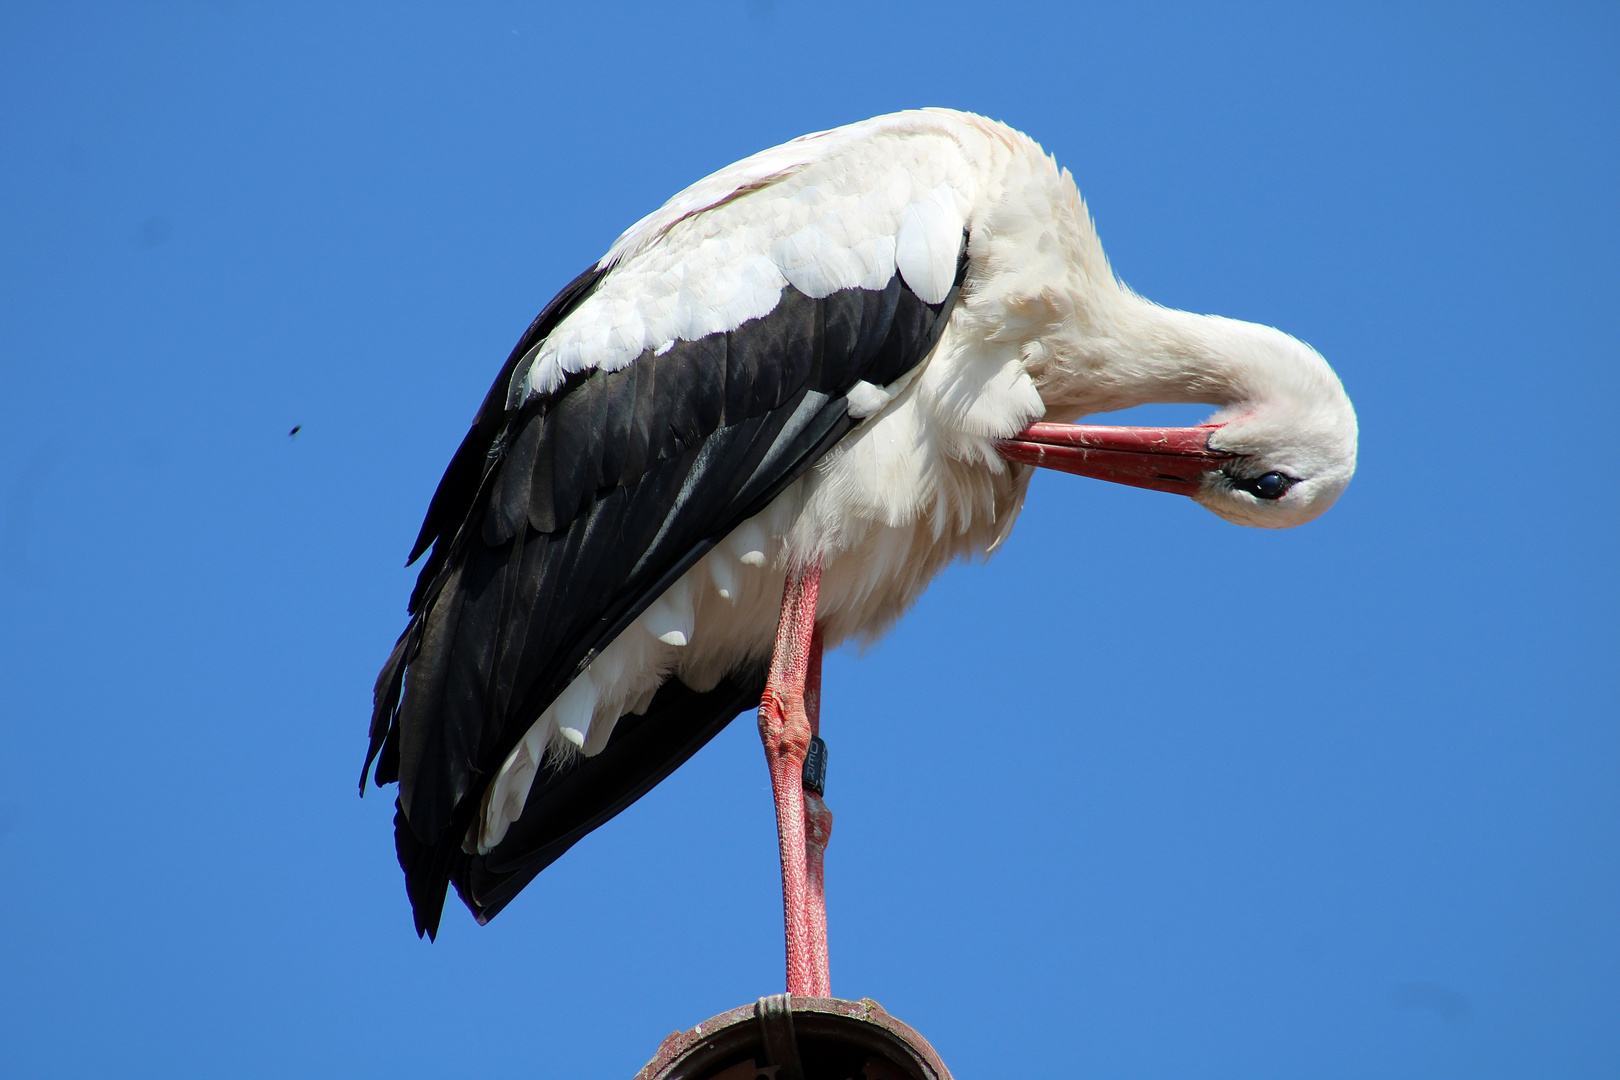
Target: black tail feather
[(428, 869)]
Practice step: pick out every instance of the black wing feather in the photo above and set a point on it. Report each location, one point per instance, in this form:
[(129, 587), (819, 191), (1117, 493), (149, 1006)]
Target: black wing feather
[(559, 521)]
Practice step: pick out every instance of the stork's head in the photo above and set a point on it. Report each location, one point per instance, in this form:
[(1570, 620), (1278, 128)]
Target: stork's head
[(1278, 455)]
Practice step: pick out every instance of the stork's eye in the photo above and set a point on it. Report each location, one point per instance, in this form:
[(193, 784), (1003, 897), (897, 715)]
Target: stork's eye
[(1270, 486)]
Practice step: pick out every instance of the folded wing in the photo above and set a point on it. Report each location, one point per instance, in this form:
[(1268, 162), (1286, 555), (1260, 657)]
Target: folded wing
[(655, 404)]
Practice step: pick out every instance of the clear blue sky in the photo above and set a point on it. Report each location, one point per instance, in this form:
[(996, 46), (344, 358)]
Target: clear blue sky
[(1149, 795)]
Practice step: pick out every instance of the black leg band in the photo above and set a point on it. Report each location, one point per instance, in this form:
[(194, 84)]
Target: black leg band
[(815, 766)]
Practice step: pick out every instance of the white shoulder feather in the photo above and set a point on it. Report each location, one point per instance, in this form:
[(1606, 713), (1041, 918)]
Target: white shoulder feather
[(836, 210)]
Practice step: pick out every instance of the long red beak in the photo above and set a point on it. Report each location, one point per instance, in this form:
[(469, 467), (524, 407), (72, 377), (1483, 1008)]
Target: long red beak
[(1164, 459)]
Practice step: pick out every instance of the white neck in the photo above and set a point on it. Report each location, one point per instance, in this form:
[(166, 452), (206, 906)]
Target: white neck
[(1131, 352)]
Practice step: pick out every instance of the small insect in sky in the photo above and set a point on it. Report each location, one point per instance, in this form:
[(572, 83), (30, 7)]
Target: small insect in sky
[(296, 429)]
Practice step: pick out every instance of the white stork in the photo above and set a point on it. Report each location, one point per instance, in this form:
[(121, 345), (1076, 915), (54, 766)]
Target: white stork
[(760, 425)]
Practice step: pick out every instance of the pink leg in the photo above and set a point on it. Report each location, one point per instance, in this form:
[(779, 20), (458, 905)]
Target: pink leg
[(785, 729), (817, 829)]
